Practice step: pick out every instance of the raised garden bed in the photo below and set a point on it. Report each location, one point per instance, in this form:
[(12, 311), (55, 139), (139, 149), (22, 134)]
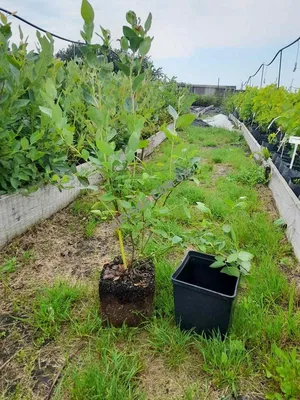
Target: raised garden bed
[(286, 201)]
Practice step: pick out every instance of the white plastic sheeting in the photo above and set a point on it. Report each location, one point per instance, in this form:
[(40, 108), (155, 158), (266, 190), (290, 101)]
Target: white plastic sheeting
[(219, 121)]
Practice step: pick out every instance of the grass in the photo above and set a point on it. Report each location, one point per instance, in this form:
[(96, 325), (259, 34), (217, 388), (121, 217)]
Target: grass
[(52, 307), (117, 363)]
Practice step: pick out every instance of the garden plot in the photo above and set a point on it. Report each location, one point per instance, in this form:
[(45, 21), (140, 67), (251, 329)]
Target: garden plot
[(53, 344)]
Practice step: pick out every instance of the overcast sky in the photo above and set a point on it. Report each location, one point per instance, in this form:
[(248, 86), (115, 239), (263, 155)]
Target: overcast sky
[(195, 40)]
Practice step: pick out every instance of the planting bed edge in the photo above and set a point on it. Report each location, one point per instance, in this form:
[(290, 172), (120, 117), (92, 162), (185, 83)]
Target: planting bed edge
[(287, 203)]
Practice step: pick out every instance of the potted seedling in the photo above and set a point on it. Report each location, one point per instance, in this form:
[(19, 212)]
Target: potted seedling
[(294, 184), (127, 283), (205, 287)]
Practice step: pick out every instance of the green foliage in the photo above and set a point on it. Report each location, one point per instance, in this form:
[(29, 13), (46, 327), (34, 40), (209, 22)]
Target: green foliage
[(250, 176), (265, 104), (50, 111), (208, 100), (284, 369), (9, 266)]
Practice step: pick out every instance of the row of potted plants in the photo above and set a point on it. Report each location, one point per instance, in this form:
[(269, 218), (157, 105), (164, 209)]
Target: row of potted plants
[(272, 116)]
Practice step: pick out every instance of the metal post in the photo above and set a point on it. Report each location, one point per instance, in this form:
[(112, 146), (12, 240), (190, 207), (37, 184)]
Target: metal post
[(279, 71), (262, 75)]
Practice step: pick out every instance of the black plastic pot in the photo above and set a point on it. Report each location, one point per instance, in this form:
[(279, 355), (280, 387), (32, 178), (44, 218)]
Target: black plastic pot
[(288, 173), (295, 187), (203, 296), (270, 146)]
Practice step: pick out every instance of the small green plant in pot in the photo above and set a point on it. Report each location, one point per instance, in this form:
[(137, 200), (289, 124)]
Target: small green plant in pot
[(127, 283), (205, 286)]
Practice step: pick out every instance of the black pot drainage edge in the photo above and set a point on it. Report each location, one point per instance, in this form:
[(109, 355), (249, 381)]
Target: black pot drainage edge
[(203, 296)]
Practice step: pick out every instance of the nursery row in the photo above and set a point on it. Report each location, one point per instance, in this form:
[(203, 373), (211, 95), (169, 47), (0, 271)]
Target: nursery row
[(52, 113), (55, 341), (272, 116)]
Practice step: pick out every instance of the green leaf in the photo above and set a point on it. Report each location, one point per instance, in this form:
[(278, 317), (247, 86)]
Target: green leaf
[(202, 207), (133, 142), (176, 239), (128, 105), (161, 233), (85, 154), (104, 147), (226, 228), (89, 98), (83, 180), (135, 42), (24, 143), (145, 46), (130, 156), (108, 197), (217, 264), (232, 271), (172, 112), (131, 18), (124, 204), (143, 143), (148, 23), (87, 12), (246, 266), (128, 32), (68, 136), (14, 183), (36, 136), (124, 43), (21, 103), (170, 135), (56, 114), (137, 81), (187, 211), (232, 258), (123, 67), (92, 60), (185, 120), (245, 256), (46, 111)]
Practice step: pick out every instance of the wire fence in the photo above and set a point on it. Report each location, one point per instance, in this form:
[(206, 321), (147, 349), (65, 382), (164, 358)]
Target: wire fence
[(264, 66)]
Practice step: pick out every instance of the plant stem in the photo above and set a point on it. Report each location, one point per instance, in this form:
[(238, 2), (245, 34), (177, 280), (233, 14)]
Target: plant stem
[(171, 158), (122, 248)]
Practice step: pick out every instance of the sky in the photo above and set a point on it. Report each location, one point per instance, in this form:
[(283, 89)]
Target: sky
[(198, 41)]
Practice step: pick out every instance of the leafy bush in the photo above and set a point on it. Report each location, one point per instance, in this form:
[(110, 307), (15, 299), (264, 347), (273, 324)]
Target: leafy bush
[(208, 100), (46, 106)]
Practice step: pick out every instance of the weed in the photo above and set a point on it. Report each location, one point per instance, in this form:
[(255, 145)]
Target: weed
[(250, 176), (90, 227), (9, 266), (225, 360), (284, 369)]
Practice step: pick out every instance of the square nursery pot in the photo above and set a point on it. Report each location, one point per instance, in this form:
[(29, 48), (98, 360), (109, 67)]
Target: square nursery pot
[(126, 296), (203, 296)]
